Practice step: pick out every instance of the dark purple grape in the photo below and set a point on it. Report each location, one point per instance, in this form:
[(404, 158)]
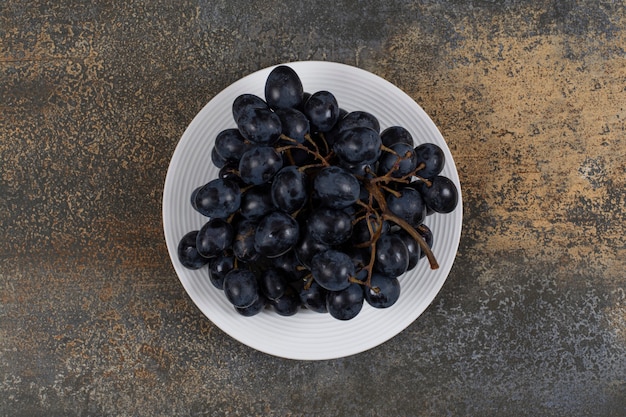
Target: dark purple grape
[(307, 248), (260, 126), (432, 157), (402, 163), (245, 103), (345, 304), (219, 266), (358, 145), (230, 171), (241, 288), (214, 237), (276, 234), (322, 110), (243, 242), (272, 283), (305, 97), (332, 269), (415, 252), (396, 134), (289, 263), (331, 135), (217, 159), (442, 196), (392, 256), (336, 188), (409, 206), (361, 230), (329, 226), (361, 170), (313, 297), (283, 88), (360, 256), (295, 124), (188, 253), (288, 304), (358, 118), (256, 202), (219, 198), (255, 308), (288, 190), (230, 145), (259, 165), (384, 291)]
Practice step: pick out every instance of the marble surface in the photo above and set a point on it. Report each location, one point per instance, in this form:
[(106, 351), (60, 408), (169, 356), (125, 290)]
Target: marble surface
[(531, 98)]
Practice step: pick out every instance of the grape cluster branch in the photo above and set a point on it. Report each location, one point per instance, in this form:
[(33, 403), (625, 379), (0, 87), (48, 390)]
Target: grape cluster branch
[(376, 205)]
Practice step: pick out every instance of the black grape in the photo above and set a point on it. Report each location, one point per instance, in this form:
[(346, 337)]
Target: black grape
[(432, 157), (345, 304), (241, 288), (287, 304), (392, 256), (288, 190), (214, 237), (230, 171), (259, 165), (219, 266), (255, 308), (322, 110), (442, 196), (289, 263), (313, 297), (358, 118), (332, 269), (384, 291), (396, 134), (219, 198), (361, 230), (230, 145), (283, 88), (188, 254), (256, 202), (358, 145), (260, 126), (415, 252), (404, 157), (243, 241), (276, 234), (273, 283), (245, 103), (335, 187), (409, 205), (217, 159), (332, 134), (294, 124), (330, 226), (307, 248)]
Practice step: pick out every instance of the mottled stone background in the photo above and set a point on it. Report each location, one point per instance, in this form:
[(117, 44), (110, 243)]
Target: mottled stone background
[(531, 97)]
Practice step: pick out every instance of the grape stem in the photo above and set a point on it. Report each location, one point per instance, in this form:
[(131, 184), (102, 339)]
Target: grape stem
[(387, 215), (296, 145)]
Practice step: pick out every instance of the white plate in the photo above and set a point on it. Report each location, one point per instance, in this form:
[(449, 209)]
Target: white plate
[(308, 335)]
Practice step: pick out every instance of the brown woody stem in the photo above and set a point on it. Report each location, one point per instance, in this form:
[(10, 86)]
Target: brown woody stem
[(415, 235)]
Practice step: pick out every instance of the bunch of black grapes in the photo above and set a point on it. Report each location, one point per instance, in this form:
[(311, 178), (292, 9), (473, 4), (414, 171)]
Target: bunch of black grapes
[(314, 207)]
